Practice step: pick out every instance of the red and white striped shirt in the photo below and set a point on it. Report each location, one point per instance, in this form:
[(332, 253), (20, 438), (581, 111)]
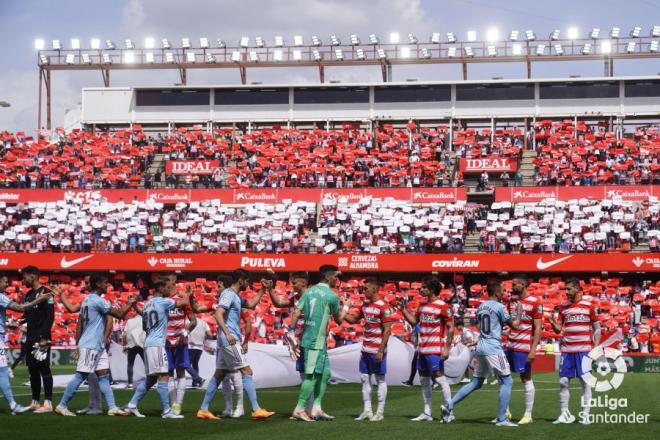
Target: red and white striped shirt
[(520, 339), (433, 317), (578, 318), (375, 315), (176, 325)]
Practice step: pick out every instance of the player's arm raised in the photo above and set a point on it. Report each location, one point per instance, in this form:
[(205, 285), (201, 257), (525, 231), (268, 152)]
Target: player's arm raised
[(556, 325), (121, 312), (279, 301), (68, 305), (411, 318), (183, 299), (266, 286), (514, 322), (16, 307), (340, 315)]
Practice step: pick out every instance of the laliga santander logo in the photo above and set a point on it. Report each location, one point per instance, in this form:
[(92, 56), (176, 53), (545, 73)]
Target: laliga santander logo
[(599, 364)]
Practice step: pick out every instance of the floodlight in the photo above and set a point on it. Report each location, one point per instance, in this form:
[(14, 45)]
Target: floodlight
[(360, 54), (655, 31), (221, 44), (129, 44), (86, 59), (334, 41), (615, 32), (405, 52), (169, 57), (279, 41), (129, 57), (630, 47), (39, 44), (190, 56), (149, 43), (149, 57), (472, 35), (559, 50), (259, 42), (57, 45), (185, 43), (245, 42), (513, 36), (107, 59), (595, 32), (530, 35), (236, 56), (540, 49), (451, 52), (110, 45), (555, 34), (451, 38), (653, 47), (43, 59), (468, 51), (586, 50), (316, 55), (298, 40), (492, 51), (572, 33), (394, 38), (373, 39), (204, 43), (316, 41), (606, 47), (297, 55), (75, 44), (635, 33), (435, 38), (425, 53), (355, 40), (492, 34), (254, 56), (412, 39), (95, 43), (70, 58), (339, 54), (277, 55), (165, 43), (210, 58), (516, 49), (382, 55)]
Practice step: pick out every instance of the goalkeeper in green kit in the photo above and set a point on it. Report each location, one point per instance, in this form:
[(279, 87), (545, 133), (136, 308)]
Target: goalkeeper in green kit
[(317, 305)]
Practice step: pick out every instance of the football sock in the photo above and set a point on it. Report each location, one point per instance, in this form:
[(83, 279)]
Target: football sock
[(163, 395), (465, 391), (237, 380), (586, 396), (251, 392), (140, 391), (108, 395), (564, 395), (444, 386), (310, 400), (171, 389), (211, 389), (307, 389), (320, 387), (427, 394), (382, 392), (180, 390), (504, 396), (6, 386), (529, 397), (71, 388), (366, 391), (94, 392), (226, 390)]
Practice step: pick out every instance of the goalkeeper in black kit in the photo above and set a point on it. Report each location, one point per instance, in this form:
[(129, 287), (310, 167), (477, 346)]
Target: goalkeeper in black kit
[(39, 323)]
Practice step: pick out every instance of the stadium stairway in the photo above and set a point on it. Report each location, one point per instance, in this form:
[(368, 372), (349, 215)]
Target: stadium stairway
[(471, 243), (157, 164), (527, 167)]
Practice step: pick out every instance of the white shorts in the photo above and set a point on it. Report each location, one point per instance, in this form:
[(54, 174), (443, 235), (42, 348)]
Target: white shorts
[(230, 357), (497, 363), (155, 361), (3, 357), (90, 360)]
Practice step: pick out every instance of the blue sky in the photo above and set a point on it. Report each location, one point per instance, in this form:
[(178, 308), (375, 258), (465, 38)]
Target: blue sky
[(21, 21)]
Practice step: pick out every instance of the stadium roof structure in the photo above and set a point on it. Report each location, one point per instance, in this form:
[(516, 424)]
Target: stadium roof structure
[(410, 51)]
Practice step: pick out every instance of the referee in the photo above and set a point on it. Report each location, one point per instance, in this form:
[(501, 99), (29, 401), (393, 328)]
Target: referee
[(39, 323)]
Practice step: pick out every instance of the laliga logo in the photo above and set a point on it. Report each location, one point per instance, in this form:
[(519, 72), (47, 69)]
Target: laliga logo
[(601, 362)]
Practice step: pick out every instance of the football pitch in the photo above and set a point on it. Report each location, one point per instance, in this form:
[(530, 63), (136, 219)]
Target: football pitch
[(642, 392)]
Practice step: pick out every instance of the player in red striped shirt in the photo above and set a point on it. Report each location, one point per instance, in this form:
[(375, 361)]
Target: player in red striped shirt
[(436, 324), (522, 342), (581, 332), (378, 321)]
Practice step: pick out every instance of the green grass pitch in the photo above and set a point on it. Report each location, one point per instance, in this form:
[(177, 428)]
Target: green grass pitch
[(344, 401)]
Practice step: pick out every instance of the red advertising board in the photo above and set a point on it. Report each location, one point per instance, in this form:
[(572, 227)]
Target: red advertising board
[(185, 167), (538, 263), (537, 193), (488, 164)]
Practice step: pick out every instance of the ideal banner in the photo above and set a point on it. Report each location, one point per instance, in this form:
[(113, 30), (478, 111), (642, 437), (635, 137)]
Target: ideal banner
[(192, 167), (488, 164), (149, 262), (515, 194), (236, 196)]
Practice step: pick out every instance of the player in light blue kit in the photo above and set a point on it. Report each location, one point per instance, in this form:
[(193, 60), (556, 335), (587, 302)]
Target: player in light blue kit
[(155, 315), (92, 356), (490, 355), (6, 303)]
